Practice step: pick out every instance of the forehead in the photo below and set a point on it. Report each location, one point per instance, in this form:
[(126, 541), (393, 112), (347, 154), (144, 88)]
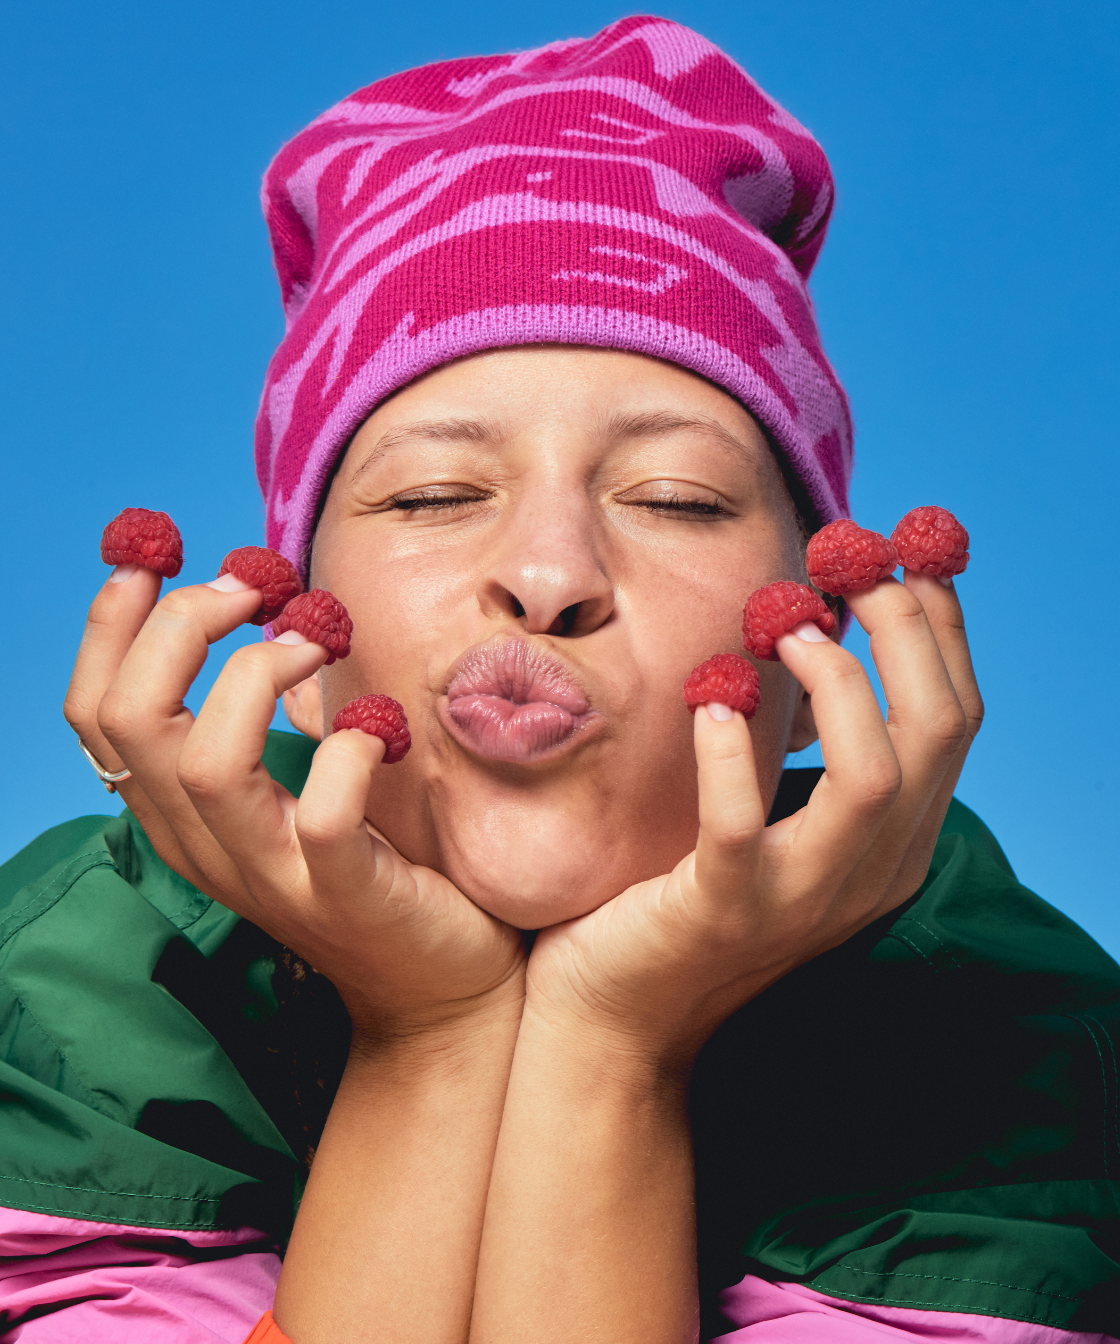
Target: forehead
[(612, 397)]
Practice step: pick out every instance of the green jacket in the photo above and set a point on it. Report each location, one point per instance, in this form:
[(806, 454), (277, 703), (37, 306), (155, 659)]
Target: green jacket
[(927, 1116)]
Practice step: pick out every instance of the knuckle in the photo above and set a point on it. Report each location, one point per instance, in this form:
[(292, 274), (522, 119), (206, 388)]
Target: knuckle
[(846, 669), (904, 605), (879, 782), (973, 706), (178, 604), (734, 833), (254, 665), (200, 775), (252, 657), (948, 727), (202, 769), (117, 716), (78, 712), (317, 828)]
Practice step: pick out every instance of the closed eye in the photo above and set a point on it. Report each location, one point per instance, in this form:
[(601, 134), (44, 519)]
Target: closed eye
[(432, 499), (697, 508)]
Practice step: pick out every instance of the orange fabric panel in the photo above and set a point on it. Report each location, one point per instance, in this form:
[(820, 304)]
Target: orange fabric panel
[(266, 1331)]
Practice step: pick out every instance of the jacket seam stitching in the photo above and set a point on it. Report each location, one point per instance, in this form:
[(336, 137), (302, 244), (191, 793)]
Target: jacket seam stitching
[(949, 1278), (85, 1216), (117, 1194), (90, 1096), (937, 1303), (1115, 1081), (64, 881), (1081, 1022)]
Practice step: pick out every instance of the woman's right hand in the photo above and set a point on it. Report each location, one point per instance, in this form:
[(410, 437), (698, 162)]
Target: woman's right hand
[(404, 948)]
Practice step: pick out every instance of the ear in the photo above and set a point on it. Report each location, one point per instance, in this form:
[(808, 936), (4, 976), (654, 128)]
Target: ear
[(803, 729), (303, 705)]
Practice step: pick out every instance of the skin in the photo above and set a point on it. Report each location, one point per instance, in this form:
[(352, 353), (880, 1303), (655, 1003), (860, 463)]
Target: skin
[(508, 1155), (565, 461)]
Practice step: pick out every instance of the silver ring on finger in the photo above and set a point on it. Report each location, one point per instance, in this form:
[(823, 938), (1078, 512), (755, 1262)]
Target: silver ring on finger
[(109, 778)]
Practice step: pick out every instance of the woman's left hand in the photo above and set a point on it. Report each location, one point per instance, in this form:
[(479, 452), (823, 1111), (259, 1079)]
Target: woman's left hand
[(662, 964)]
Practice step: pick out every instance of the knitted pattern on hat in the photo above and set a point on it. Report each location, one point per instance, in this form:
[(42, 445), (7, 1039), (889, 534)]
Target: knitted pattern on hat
[(635, 190)]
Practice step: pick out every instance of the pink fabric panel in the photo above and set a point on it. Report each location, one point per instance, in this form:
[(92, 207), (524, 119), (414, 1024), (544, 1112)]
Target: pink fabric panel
[(102, 1283), (789, 1313)]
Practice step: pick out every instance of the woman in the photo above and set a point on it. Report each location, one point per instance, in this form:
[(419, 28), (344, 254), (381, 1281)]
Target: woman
[(550, 406)]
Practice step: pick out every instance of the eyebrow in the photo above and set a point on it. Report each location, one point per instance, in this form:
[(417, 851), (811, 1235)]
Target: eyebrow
[(438, 431), (661, 424)]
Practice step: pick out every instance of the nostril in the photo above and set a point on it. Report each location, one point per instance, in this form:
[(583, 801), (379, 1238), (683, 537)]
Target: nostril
[(565, 622), (518, 609)]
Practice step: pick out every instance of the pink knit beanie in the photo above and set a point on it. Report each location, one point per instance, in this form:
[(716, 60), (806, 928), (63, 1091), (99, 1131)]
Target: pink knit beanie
[(634, 190)]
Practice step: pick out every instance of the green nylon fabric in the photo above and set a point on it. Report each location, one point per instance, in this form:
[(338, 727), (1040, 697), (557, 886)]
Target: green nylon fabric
[(928, 1116)]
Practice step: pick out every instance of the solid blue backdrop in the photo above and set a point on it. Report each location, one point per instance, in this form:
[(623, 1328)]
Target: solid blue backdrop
[(967, 293)]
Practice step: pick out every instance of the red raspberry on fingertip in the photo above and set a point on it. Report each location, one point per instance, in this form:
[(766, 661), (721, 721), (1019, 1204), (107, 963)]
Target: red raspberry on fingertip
[(929, 540), (268, 570), (320, 617), (379, 716), (774, 610), (846, 558), (725, 679), (143, 537)]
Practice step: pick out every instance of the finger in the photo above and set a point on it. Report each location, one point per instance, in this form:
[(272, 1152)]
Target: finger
[(862, 776), (946, 620), (732, 815), (143, 716), (924, 716), (219, 765), (115, 618), (143, 708), (344, 862)]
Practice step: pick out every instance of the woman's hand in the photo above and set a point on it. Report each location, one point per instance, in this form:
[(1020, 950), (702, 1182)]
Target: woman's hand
[(403, 947), (665, 962)]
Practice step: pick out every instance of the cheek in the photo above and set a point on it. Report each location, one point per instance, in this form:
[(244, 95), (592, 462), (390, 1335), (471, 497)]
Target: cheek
[(406, 612), (682, 613)]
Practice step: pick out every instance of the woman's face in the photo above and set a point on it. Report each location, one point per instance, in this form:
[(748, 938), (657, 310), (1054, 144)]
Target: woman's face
[(537, 545)]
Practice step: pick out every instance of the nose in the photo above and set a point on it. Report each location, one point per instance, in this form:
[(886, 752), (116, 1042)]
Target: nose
[(546, 571)]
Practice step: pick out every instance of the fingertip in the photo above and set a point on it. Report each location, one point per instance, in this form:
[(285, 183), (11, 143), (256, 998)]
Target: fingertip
[(229, 583), (367, 745), (122, 573), (792, 643)]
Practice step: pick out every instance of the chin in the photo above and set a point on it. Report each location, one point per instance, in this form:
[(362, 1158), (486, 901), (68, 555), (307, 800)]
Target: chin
[(537, 892)]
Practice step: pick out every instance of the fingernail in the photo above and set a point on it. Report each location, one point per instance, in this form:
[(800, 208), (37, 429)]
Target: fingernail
[(944, 582), (290, 637), (810, 632), (226, 583), (721, 713), (122, 573)]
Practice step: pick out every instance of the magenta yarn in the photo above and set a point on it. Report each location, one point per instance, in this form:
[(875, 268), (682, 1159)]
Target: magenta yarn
[(634, 190)]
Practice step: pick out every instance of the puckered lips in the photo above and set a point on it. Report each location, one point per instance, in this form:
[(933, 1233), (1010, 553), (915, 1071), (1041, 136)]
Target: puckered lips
[(510, 699)]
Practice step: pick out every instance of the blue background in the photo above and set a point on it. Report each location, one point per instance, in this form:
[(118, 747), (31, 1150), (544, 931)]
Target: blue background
[(968, 296)]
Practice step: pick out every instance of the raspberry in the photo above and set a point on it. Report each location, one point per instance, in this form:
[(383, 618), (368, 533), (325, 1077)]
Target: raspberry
[(382, 717), (726, 678), (270, 572), (931, 541), (776, 609), (846, 558), (321, 618), (143, 537)]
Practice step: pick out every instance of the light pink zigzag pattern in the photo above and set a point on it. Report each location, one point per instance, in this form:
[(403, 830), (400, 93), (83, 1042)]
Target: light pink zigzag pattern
[(636, 190)]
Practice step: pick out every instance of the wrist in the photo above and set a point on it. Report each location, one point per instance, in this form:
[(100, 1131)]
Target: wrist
[(600, 1054), (443, 1036)]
